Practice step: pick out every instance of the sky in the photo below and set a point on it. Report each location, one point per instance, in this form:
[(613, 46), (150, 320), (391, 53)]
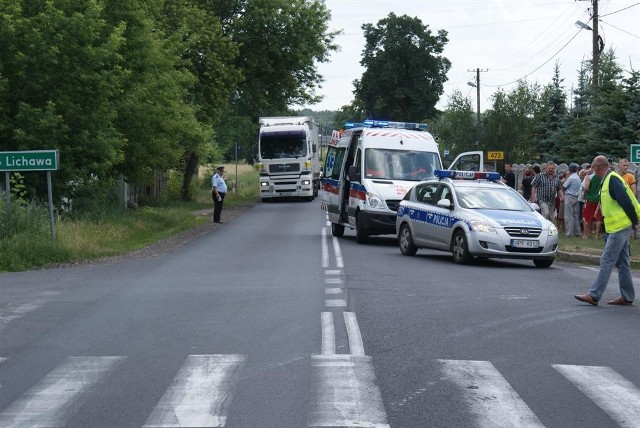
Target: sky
[(507, 40)]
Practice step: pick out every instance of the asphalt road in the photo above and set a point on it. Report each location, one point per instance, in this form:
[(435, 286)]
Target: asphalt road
[(270, 322)]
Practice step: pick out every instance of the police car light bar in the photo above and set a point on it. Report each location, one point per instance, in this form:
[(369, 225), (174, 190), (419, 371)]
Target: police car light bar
[(371, 123), (467, 175)]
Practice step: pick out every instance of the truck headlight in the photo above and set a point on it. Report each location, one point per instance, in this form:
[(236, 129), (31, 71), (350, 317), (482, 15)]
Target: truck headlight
[(264, 184), (306, 182)]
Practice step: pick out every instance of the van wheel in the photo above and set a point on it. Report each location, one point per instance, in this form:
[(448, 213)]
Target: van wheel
[(543, 263), (460, 248), (362, 237), (337, 230), (405, 240)]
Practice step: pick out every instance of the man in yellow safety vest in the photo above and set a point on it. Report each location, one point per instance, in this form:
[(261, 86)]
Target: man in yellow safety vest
[(621, 211)]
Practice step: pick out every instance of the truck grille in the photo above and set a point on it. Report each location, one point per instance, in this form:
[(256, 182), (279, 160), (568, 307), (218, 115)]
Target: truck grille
[(284, 167)]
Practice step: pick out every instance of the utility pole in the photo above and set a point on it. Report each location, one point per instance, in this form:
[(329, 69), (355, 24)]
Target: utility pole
[(596, 47), (478, 121)]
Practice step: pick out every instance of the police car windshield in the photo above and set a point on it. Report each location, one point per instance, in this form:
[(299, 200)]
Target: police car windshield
[(491, 198), (405, 165)]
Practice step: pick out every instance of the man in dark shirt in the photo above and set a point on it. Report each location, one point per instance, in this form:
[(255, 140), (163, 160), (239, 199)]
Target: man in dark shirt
[(509, 177)]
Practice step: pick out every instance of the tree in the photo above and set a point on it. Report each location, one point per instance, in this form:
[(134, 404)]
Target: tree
[(549, 118), (455, 127), (405, 71)]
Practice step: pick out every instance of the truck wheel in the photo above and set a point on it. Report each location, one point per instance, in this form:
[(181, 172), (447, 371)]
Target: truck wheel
[(362, 237), (337, 230), (543, 263), (460, 248)]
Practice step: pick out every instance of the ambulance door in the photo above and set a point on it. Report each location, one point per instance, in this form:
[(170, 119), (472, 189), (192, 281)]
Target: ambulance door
[(468, 161)]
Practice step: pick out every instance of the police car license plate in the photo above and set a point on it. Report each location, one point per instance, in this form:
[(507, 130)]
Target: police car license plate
[(524, 243)]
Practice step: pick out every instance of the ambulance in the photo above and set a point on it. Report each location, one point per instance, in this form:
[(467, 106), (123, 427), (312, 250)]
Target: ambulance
[(370, 166)]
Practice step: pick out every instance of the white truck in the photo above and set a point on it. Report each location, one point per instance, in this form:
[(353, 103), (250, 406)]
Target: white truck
[(288, 157), (370, 167)]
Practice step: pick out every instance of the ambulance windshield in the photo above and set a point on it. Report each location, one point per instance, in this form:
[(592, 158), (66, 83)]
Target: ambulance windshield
[(283, 144), (406, 165)]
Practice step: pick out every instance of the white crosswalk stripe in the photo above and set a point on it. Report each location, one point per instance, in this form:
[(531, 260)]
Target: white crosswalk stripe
[(200, 394), (489, 396), (618, 397), (53, 401)]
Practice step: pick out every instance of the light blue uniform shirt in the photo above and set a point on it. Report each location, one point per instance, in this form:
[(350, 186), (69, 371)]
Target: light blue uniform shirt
[(572, 185), (218, 181)]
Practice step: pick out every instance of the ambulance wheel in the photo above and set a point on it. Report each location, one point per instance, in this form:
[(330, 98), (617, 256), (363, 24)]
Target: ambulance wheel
[(337, 230), (460, 248), (362, 237), (543, 263), (405, 240)]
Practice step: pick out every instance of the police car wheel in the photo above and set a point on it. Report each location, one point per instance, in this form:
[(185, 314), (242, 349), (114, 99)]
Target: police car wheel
[(460, 248), (543, 263), (405, 240), (337, 230)]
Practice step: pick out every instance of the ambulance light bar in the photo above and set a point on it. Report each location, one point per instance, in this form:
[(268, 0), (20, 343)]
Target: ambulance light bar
[(370, 123), (467, 175)]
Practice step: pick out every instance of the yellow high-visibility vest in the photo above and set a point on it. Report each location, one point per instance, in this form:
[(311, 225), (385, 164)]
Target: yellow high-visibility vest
[(615, 219)]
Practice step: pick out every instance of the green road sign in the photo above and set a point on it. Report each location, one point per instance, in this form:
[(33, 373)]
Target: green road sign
[(30, 160), (635, 153)]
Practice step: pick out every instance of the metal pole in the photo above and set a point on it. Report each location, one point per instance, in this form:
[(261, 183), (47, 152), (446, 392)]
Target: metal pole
[(7, 190), (235, 184), (50, 194), (596, 49), (478, 131)]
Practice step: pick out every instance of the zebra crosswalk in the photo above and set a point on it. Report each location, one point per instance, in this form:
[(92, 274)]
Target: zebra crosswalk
[(344, 392)]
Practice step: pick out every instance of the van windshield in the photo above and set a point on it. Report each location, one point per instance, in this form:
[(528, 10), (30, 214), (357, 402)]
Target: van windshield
[(406, 165)]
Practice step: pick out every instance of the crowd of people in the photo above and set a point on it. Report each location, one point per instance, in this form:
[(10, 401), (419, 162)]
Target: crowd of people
[(570, 200)]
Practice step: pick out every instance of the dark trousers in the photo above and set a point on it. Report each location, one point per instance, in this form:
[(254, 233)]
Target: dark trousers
[(217, 206)]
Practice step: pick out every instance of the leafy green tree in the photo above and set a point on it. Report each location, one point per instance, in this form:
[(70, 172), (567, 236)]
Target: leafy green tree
[(630, 132), (404, 69), (62, 75), (549, 118)]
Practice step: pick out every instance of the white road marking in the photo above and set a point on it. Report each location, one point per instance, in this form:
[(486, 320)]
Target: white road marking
[(489, 396), (614, 394), (333, 272), (19, 311), (345, 393), (325, 248), (333, 281), (335, 303), (328, 334), (200, 394), (333, 290), (3, 359), (59, 394), (356, 347), (338, 252)]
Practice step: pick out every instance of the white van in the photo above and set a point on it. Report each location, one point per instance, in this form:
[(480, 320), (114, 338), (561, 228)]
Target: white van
[(370, 167)]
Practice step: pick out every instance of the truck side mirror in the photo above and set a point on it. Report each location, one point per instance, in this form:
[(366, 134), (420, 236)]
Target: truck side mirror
[(354, 173), (314, 148)]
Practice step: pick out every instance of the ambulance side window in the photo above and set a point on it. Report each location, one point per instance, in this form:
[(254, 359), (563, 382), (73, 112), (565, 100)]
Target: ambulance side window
[(333, 163)]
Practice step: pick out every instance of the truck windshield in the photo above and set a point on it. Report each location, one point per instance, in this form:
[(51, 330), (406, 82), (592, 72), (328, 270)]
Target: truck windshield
[(400, 164), (283, 144)]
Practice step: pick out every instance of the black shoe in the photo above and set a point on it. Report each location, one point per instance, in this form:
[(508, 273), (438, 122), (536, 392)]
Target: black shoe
[(217, 221)]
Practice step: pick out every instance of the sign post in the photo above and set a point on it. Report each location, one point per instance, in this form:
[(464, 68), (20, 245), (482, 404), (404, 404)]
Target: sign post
[(495, 156), (31, 160)]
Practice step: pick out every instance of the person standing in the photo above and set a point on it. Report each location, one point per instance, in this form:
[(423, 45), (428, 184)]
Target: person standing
[(544, 188), (628, 177), (526, 183), (620, 210), (509, 177), (571, 190), (218, 192), (591, 211)]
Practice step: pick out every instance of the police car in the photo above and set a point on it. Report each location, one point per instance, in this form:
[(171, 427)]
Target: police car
[(473, 214)]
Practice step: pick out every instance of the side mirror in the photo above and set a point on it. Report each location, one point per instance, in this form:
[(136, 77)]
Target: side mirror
[(354, 174), (314, 148), (445, 203)]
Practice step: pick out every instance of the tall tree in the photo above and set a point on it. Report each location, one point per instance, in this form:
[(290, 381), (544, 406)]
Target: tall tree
[(455, 126), (404, 69), (550, 116)]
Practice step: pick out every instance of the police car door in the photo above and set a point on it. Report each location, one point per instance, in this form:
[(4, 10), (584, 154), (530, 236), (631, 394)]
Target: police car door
[(468, 161), (441, 221), (425, 196)]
